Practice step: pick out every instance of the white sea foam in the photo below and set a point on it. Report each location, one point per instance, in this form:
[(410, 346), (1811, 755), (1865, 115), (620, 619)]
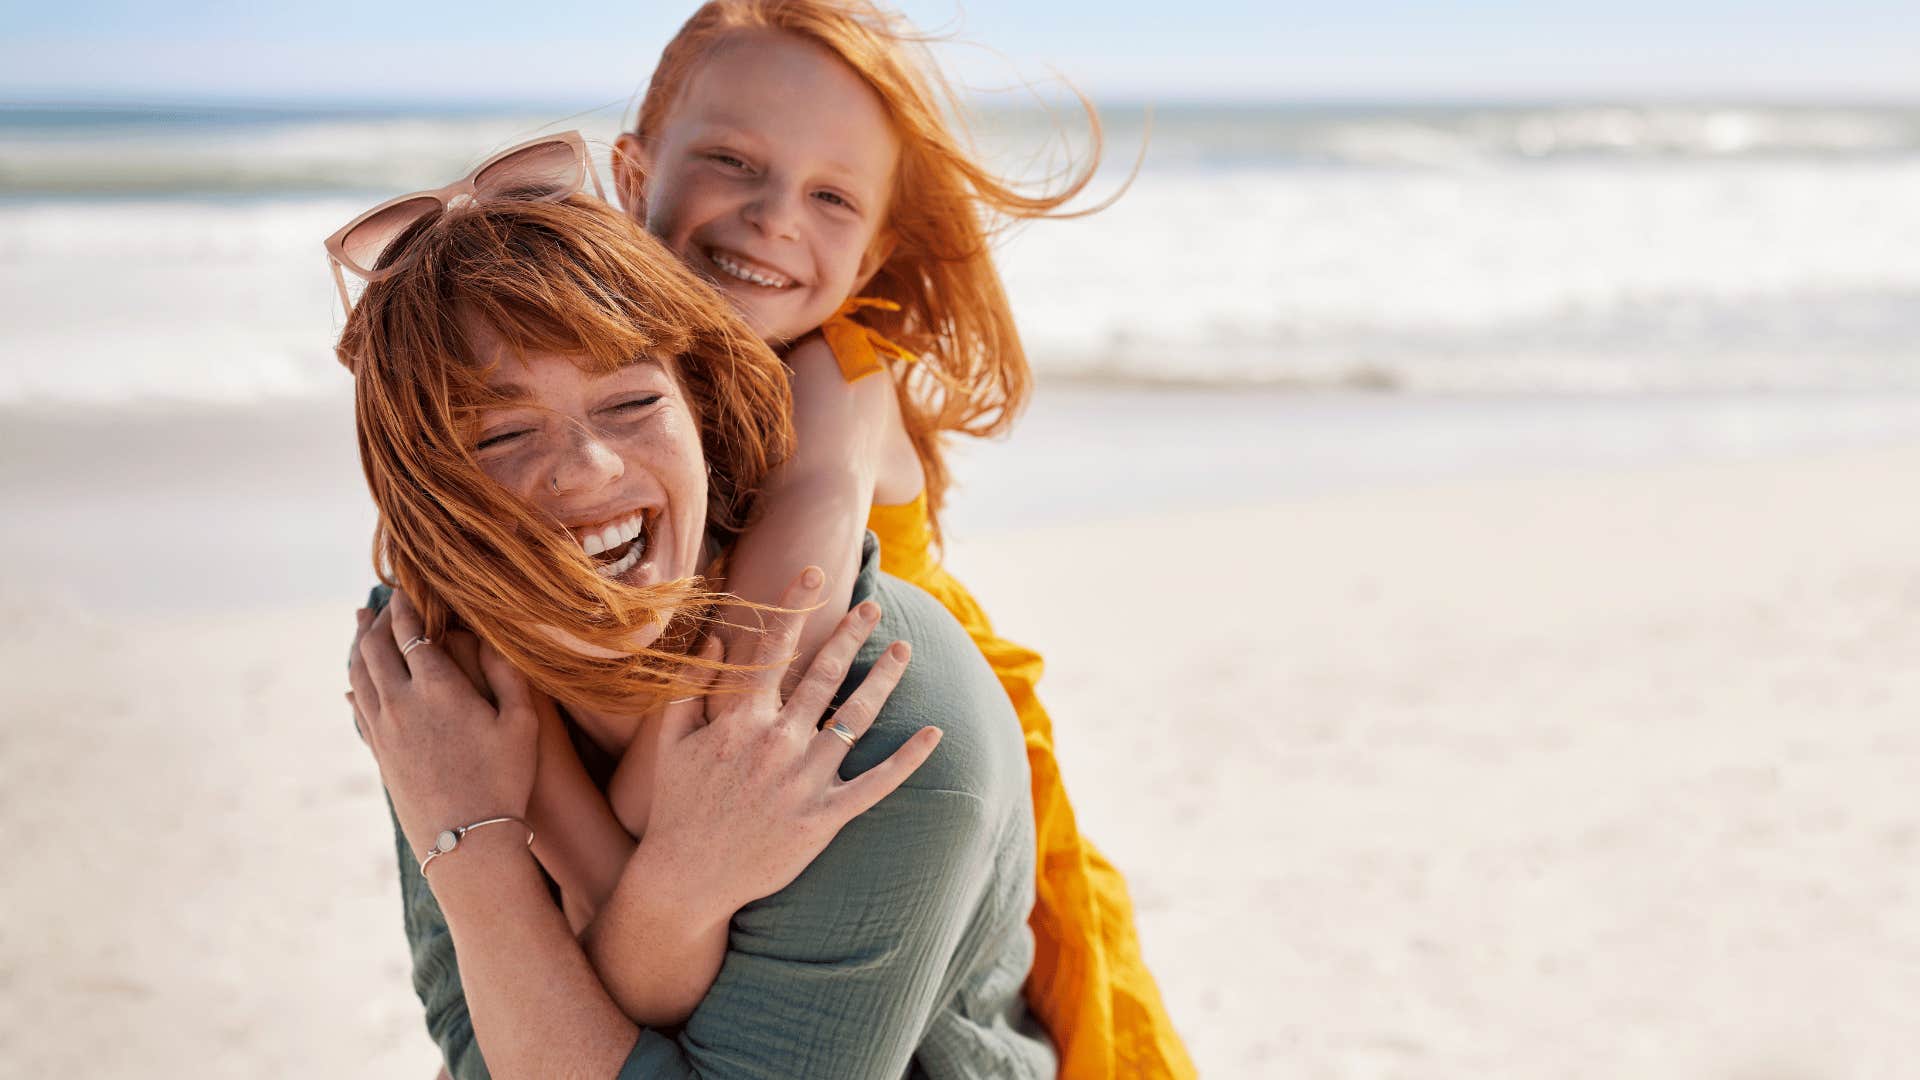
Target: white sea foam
[(219, 154), (1572, 276), (1430, 250), (193, 301), (1466, 137)]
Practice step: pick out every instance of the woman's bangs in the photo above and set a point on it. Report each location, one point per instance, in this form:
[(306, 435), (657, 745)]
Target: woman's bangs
[(598, 332)]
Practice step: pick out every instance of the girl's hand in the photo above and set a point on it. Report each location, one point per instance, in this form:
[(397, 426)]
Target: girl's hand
[(747, 789), (448, 757)]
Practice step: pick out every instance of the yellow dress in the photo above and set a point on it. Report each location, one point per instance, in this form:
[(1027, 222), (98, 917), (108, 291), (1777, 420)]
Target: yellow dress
[(1089, 985)]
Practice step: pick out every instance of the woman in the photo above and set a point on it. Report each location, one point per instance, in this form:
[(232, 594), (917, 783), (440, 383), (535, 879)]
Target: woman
[(524, 370)]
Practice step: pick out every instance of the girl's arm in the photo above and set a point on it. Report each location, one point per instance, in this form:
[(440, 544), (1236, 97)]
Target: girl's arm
[(813, 508), (585, 840), (666, 961), (577, 837)]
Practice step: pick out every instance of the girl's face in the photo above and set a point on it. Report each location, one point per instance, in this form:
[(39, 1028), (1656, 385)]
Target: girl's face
[(615, 458), (771, 177)]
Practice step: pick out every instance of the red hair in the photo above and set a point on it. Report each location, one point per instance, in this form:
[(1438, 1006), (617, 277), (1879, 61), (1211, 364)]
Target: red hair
[(575, 277), (945, 209)]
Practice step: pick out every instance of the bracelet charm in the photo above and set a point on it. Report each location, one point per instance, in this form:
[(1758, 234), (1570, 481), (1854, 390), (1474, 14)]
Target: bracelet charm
[(449, 839)]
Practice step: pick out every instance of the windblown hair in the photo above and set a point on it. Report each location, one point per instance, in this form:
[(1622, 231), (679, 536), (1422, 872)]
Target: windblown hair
[(575, 277), (946, 208)]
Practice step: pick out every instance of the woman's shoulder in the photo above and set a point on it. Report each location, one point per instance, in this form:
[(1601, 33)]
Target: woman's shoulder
[(948, 685)]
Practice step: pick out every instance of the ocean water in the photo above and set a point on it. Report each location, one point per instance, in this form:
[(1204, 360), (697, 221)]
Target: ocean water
[(174, 254)]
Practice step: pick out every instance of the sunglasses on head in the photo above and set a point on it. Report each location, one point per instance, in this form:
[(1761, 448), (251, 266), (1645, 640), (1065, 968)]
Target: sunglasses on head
[(546, 169)]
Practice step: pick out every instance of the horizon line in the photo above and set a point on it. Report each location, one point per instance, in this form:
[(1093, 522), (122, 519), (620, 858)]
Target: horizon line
[(12, 99)]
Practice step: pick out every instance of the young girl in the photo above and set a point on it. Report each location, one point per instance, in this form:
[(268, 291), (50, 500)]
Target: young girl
[(796, 153)]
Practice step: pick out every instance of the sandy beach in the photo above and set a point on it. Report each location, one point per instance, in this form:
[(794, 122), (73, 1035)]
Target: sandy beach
[(1597, 775), (1591, 767)]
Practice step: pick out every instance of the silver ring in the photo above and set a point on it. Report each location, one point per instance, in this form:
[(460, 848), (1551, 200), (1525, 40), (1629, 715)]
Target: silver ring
[(418, 640), (841, 731)]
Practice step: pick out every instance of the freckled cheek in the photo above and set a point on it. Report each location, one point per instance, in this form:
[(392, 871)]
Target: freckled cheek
[(846, 246), (689, 480), (518, 476), (664, 212), (681, 206), (676, 462)]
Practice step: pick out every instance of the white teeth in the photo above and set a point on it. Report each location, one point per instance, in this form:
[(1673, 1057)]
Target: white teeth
[(612, 536), (631, 559), (745, 273), (622, 565)]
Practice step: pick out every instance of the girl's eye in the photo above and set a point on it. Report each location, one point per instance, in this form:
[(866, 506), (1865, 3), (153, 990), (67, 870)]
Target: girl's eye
[(722, 158), (833, 199)]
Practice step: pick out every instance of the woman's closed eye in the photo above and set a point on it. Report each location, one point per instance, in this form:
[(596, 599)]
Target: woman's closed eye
[(499, 438), (636, 403)]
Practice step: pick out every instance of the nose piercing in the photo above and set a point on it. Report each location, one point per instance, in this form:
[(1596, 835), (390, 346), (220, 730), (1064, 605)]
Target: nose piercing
[(555, 482)]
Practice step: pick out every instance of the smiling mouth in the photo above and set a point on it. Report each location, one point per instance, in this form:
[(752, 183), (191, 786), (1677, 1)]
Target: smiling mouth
[(617, 546), (741, 268)]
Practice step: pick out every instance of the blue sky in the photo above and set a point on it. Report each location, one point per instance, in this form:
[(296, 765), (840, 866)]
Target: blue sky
[(1204, 50)]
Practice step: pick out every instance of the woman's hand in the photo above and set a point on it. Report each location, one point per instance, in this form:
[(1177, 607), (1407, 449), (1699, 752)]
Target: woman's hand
[(747, 788), (448, 757)]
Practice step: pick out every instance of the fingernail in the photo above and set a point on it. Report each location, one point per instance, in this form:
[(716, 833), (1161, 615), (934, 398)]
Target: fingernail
[(900, 650), (869, 610), (363, 614), (812, 578)]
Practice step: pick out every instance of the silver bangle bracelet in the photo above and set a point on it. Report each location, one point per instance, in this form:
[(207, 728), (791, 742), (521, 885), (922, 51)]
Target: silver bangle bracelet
[(450, 838)]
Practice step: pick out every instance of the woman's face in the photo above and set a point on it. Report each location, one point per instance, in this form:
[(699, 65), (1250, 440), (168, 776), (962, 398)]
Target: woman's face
[(771, 178), (615, 458)]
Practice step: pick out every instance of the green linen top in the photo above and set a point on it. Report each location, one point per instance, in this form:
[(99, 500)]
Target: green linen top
[(903, 948)]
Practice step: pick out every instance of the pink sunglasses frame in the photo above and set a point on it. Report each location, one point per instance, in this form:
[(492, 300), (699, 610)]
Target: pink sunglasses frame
[(450, 196)]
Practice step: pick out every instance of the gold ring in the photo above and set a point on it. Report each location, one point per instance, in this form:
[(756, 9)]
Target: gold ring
[(841, 731)]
